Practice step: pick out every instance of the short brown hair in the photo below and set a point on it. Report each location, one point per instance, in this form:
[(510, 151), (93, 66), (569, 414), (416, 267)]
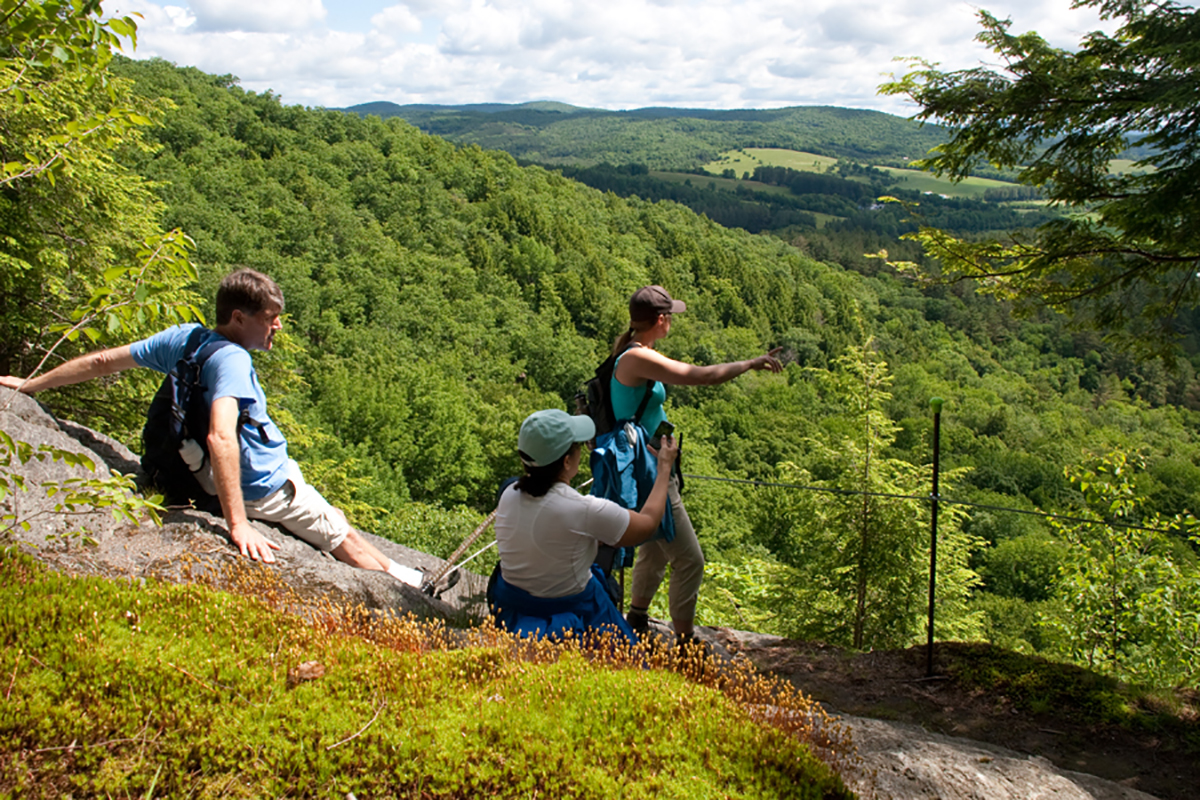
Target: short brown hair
[(248, 291)]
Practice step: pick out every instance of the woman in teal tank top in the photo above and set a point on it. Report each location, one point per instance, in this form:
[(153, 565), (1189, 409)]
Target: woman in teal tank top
[(650, 311), (627, 399)]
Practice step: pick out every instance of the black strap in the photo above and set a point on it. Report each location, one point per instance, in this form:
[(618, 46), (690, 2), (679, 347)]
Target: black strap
[(193, 343), (201, 355), (637, 417)]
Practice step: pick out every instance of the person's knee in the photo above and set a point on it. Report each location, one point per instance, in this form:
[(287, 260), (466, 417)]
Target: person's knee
[(689, 569)]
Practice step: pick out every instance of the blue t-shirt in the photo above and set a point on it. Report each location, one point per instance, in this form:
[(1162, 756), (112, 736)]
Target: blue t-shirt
[(229, 372), (626, 399)]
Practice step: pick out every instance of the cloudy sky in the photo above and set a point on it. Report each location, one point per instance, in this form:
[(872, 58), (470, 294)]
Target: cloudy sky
[(614, 54)]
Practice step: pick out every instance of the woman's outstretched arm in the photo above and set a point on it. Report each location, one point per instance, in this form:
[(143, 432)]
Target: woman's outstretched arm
[(644, 364)]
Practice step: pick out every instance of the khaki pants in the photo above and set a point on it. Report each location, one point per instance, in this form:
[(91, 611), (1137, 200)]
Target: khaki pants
[(303, 512), (682, 553)]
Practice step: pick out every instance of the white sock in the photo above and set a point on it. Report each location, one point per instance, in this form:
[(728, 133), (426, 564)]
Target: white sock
[(413, 577)]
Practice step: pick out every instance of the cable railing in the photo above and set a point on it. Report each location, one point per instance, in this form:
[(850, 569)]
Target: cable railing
[(934, 498), (941, 499)]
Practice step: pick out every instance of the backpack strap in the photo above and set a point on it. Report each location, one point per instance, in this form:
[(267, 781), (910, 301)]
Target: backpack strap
[(201, 355), (641, 409), (192, 345)]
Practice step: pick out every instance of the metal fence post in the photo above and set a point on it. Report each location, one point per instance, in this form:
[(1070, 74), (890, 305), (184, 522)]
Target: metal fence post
[(936, 403)]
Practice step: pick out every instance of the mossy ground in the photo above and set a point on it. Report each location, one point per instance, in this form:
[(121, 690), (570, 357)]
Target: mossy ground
[(119, 689)]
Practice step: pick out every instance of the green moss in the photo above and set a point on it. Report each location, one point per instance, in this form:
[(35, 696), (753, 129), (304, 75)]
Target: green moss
[(111, 689)]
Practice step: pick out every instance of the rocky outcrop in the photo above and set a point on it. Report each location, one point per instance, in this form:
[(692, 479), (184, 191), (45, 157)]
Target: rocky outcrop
[(190, 542), (904, 761), (901, 762), (898, 761)]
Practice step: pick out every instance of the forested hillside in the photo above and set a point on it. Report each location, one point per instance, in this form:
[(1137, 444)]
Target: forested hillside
[(437, 294), (668, 138)]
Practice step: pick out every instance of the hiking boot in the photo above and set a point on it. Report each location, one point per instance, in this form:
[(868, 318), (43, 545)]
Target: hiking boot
[(691, 643), (639, 621)]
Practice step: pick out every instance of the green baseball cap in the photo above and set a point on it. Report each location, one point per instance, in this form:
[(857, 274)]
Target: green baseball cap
[(547, 435)]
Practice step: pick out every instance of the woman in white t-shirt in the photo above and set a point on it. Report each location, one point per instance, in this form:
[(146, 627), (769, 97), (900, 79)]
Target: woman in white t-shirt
[(547, 533)]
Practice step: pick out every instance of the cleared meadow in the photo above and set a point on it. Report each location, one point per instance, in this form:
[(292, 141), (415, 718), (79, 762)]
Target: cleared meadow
[(745, 160), (924, 182)]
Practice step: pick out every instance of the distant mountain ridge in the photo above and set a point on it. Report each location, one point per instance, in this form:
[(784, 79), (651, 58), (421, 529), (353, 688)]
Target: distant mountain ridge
[(556, 133), (385, 108)]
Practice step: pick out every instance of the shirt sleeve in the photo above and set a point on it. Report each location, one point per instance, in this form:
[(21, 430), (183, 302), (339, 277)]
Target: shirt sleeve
[(162, 351), (230, 373), (604, 520)]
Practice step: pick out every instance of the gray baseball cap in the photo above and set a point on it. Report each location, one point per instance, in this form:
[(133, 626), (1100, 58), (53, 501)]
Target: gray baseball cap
[(547, 435)]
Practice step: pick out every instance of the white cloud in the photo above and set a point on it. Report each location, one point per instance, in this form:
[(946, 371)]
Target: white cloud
[(613, 54), (180, 17), (396, 20), (482, 29), (256, 16)]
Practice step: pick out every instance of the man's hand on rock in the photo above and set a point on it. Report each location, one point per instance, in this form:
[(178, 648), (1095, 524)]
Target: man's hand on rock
[(252, 543)]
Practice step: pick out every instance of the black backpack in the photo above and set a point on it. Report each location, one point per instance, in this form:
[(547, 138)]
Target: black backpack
[(596, 398), (178, 412)]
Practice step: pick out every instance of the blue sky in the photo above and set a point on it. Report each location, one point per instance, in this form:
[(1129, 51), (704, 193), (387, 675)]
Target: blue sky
[(615, 54)]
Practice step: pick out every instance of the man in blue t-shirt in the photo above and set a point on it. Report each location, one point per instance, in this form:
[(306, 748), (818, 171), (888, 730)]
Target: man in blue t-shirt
[(252, 475)]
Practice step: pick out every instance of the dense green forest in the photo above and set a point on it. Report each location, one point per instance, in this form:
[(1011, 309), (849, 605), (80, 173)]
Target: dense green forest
[(668, 138), (436, 294)]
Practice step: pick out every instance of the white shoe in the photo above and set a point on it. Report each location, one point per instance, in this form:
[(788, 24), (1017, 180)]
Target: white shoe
[(408, 575)]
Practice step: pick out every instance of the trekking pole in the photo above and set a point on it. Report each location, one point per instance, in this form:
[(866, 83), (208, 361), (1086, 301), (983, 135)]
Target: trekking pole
[(428, 586), (477, 553)]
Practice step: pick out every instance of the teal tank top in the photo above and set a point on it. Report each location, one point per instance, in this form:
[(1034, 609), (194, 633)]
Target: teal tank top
[(626, 399)]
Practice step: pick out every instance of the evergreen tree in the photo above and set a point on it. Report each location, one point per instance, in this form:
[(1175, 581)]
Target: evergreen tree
[(1125, 260)]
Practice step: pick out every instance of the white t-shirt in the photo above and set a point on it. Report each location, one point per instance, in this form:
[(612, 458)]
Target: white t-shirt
[(547, 544)]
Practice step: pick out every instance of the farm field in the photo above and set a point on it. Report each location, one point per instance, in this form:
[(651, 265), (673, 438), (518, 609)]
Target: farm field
[(924, 182), (746, 159), (742, 161)]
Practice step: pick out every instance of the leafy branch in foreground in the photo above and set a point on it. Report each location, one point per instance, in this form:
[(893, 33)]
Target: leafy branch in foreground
[(47, 46), (73, 496), (1124, 260), (132, 295), (81, 254)]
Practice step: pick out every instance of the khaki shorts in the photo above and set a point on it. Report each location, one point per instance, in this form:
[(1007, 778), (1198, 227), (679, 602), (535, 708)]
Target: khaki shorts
[(303, 512)]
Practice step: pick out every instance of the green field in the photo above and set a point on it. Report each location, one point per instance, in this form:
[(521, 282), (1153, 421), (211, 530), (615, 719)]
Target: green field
[(747, 159), (924, 182)]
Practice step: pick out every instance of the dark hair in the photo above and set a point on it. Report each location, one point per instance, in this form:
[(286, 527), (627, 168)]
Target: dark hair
[(248, 291), (537, 480), (625, 338)]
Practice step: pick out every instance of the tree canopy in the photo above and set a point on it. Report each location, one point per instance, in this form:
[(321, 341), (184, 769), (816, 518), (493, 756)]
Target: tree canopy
[(1124, 259), (82, 257)]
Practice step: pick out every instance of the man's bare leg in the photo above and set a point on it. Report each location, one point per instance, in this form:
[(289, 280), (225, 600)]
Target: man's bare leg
[(358, 552)]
